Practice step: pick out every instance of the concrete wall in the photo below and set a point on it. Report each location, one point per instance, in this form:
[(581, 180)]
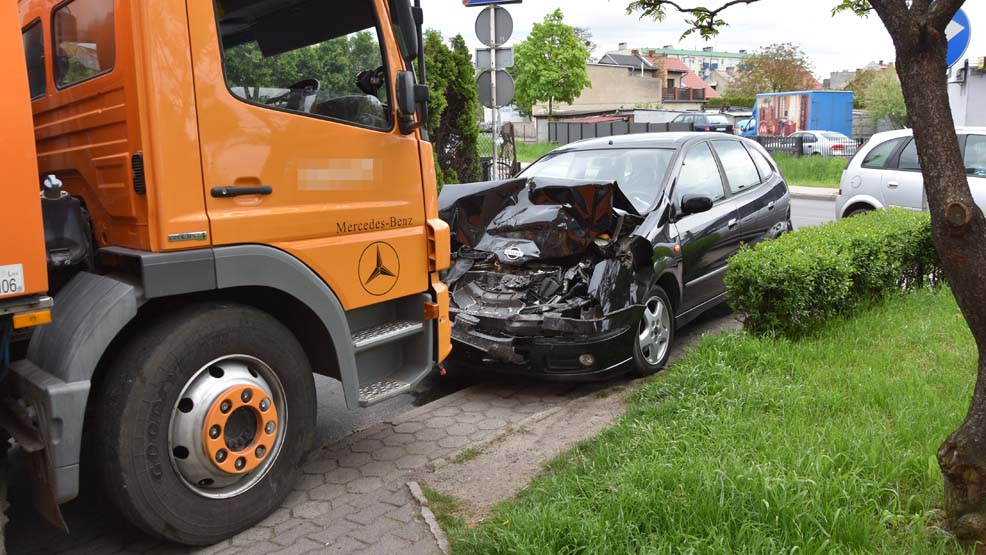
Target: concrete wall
[(613, 88)]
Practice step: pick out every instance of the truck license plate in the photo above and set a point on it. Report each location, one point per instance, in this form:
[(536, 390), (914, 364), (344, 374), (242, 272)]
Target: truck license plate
[(11, 280)]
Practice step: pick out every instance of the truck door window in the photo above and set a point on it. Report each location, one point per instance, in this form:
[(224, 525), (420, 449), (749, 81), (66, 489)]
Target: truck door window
[(84, 41), (34, 52), (322, 59)]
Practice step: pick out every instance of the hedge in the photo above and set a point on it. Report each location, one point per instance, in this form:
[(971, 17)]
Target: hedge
[(792, 284)]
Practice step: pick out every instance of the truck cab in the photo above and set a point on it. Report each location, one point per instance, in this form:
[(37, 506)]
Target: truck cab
[(258, 202)]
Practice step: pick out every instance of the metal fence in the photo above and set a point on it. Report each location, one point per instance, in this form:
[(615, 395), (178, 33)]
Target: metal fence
[(564, 133), (803, 145)]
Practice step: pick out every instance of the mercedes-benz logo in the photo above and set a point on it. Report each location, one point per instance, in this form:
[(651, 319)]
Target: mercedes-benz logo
[(379, 268), (513, 253)]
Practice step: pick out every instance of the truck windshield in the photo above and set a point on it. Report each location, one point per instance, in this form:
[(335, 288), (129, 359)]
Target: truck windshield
[(639, 173)]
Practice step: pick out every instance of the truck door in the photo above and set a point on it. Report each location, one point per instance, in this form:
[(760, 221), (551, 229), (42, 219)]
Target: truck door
[(300, 147)]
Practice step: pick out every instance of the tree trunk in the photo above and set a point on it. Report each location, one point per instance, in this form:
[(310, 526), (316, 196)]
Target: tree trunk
[(959, 231)]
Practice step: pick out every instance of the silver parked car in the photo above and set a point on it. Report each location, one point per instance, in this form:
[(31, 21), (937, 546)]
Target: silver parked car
[(826, 143), (886, 172)]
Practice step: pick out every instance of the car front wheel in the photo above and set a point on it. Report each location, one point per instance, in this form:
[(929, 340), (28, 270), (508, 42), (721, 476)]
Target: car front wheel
[(655, 334)]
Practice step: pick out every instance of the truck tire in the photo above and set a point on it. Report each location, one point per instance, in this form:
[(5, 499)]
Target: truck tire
[(203, 421)]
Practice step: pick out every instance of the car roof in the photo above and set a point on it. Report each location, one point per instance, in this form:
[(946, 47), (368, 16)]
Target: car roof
[(961, 130), (674, 139)]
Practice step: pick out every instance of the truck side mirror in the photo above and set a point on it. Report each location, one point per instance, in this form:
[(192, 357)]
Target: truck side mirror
[(409, 96)]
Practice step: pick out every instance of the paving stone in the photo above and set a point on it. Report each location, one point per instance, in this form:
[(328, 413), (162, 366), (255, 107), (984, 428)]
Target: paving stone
[(469, 417), (491, 424), (321, 466), (287, 526), (301, 546), (454, 442), (429, 449), (327, 492), (294, 498), (262, 548), (388, 545), (389, 453), (341, 476), (430, 435), (371, 532), (354, 460), (252, 536), (410, 462), (446, 411), (404, 514), (439, 422), (507, 402), (294, 535), (370, 514), (474, 406), (309, 481), (334, 532), (379, 469), (397, 440), (366, 446), (275, 518), (337, 514), (500, 412), (412, 533), (343, 546), (409, 427), (311, 509), (461, 429), (364, 485)]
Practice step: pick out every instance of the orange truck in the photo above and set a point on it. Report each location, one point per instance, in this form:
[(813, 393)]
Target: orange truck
[(235, 194)]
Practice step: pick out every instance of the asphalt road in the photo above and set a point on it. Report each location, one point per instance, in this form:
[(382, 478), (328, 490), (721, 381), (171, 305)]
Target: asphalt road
[(806, 213)]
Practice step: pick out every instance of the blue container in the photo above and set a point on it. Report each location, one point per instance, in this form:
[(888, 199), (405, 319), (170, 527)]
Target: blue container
[(789, 112)]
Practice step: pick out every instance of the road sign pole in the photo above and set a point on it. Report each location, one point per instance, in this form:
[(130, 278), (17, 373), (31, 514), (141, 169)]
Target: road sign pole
[(496, 109)]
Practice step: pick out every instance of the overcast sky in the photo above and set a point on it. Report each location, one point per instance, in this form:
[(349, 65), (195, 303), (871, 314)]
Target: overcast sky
[(833, 43)]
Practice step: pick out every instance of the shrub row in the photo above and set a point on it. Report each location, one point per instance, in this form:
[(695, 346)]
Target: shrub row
[(790, 285)]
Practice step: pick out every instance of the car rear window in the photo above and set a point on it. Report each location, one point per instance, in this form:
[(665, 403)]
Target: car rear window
[(835, 136), (878, 156), (739, 167), (718, 120)]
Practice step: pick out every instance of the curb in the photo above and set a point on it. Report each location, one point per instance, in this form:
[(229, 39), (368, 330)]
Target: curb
[(429, 517), (813, 193)]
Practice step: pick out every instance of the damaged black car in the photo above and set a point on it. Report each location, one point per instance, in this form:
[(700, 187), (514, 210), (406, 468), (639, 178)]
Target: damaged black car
[(585, 264)]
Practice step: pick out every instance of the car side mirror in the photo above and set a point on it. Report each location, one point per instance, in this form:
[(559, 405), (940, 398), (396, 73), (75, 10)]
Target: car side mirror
[(695, 204), (409, 96)]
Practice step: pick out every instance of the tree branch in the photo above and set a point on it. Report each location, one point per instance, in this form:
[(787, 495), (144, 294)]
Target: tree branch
[(942, 11), (705, 20)]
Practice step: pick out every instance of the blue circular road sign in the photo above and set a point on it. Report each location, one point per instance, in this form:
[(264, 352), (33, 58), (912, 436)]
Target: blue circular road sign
[(959, 34)]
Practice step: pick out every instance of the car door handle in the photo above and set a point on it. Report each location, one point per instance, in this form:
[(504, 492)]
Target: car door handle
[(771, 205), (732, 223), (893, 184), (227, 192)]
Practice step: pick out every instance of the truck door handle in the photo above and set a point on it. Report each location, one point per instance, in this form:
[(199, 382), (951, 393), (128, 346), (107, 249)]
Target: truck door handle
[(771, 205), (893, 184), (227, 192), (732, 223)]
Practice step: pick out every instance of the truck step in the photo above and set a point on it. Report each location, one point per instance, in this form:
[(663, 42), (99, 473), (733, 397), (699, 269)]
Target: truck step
[(385, 333), (381, 391)]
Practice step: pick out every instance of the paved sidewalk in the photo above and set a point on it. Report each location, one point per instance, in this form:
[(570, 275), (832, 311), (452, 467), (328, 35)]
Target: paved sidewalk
[(353, 496)]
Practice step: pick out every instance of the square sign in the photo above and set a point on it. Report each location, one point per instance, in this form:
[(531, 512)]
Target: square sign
[(474, 3)]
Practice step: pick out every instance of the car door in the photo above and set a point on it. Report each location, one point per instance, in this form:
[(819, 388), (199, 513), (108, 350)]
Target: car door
[(707, 239), (902, 183), (756, 205), (812, 146), (975, 167)]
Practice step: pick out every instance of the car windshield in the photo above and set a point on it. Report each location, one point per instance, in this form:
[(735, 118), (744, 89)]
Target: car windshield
[(638, 172), (718, 120), (834, 136)]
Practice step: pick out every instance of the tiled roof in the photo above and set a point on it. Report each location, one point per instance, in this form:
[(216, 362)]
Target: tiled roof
[(624, 60)]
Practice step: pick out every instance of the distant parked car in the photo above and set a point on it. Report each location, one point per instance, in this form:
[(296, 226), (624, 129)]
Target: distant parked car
[(826, 143), (746, 127), (706, 122), (584, 265), (886, 172)]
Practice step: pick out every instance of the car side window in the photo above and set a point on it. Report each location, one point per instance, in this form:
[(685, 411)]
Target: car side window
[(84, 40), (764, 166), (741, 172), (282, 60), (877, 157), (699, 175), (34, 52), (909, 157), (809, 138), (975, 155)]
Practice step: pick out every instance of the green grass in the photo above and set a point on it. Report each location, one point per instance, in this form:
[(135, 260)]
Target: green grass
[(811, 171), (467, 455), (529, 152), (758, 445), (447, 511)]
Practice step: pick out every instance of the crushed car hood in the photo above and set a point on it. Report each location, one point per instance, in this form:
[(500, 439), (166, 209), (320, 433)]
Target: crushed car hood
[(525, 219)]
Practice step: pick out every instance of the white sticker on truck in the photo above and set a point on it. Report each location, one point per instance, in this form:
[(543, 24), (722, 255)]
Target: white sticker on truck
[(11, 279)]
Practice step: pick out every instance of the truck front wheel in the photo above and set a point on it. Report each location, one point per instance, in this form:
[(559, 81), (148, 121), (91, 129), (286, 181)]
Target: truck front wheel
[(203, 421)]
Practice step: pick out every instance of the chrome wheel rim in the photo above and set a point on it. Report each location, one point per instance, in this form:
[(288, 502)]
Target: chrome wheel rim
[(654, 331), (227, 426)]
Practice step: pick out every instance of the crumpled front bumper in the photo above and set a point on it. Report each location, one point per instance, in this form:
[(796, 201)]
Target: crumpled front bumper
[(548, 347)]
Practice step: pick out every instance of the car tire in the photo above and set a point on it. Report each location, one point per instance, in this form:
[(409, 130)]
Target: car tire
[(857, 211), (179, 373), (655, 334)]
